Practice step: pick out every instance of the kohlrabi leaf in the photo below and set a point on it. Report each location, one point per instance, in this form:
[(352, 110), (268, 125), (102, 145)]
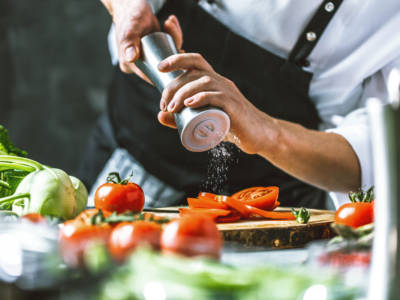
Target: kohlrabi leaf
[(6, 146)]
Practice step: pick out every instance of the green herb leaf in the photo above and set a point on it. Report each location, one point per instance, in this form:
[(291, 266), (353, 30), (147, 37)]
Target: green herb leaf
[(302, 215)]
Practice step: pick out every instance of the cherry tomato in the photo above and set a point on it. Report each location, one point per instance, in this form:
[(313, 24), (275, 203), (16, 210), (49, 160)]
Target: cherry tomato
[(126, 236), (76, 236), (34, 218), (355, 214), (261, 197), (119, 196), (192, 235)]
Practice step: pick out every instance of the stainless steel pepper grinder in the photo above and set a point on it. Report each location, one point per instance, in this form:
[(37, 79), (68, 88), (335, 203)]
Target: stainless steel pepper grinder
[(200, 129)]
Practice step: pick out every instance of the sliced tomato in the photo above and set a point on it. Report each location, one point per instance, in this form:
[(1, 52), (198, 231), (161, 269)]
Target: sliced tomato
[(213, 213), (238, 206), (277, 203), (261, 197), (205, 203), (274, 215), (233, 217), (247, 211), (207, 195)]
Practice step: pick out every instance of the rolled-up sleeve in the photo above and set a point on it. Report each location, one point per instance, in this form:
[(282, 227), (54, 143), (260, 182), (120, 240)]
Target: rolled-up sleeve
[(354, 127)]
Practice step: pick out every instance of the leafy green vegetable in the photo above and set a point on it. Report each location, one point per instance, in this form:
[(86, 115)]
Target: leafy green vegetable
[(149, 274), (50, 194), (6, 146), (302, 215), (9, 180), (44, 190), (28, 186)]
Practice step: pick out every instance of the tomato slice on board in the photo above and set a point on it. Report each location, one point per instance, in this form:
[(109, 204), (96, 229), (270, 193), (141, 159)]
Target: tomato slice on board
[(274, 215), (205, 203), (233, 217), (213, 213), (207, 195), (247, 211), (238, 206), (260, 197)]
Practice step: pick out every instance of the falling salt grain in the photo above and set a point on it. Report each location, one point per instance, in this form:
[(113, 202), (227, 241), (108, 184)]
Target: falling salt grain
[(221, 158)]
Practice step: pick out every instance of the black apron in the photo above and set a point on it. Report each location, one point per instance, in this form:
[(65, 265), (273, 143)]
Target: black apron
[(277, 86)]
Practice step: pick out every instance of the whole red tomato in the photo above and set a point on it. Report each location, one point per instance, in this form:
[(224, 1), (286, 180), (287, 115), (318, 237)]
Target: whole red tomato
[(359, 212), (355, 214), (119, 195), (76, 236), (126, 236), (192, 235)]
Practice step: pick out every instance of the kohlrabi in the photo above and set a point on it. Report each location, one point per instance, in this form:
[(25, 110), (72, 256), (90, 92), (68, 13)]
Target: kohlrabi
[(81, 193), (44, 190)]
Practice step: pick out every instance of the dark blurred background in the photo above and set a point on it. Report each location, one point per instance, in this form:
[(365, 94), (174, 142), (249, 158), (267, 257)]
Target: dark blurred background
[(54, 72)]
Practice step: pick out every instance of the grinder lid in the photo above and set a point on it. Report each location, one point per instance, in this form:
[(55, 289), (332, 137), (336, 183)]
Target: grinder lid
[(205, 130)]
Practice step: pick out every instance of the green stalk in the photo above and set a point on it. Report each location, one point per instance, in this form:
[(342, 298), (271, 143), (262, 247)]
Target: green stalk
[(20, 163), (12, 198), (13, 166), (4, 184), (8, 212)]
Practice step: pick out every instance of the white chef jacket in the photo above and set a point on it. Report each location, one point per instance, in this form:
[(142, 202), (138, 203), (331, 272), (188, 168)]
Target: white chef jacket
[(351, 62)]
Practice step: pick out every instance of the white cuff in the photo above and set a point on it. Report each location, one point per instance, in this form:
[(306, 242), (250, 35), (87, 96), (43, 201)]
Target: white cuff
[(355, 130)]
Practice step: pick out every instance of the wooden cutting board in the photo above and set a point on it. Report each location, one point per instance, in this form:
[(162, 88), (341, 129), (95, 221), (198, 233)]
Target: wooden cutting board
[(273, 233)]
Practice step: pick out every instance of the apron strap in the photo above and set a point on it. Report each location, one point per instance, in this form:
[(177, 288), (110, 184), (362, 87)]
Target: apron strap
[(313, 31)]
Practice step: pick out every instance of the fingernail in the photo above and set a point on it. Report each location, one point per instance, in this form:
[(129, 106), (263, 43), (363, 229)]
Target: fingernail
[(189, 101), (163, 64), (171, 106), (130, 53), (162, 105)]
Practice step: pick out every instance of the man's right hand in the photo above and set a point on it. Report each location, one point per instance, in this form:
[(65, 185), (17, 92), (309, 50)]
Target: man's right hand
[(134, 19)]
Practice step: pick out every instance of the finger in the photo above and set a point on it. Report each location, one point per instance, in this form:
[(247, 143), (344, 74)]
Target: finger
[(172, 27), (201, 99), (184, 61), (202, 84), (166, 119), (170, 90)]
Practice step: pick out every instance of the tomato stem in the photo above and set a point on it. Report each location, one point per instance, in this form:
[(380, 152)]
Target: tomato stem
[(361, 196), (114, 177)]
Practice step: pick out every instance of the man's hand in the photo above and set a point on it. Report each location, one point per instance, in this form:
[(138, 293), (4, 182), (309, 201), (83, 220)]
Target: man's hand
[(199, 86), (134, 19)]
